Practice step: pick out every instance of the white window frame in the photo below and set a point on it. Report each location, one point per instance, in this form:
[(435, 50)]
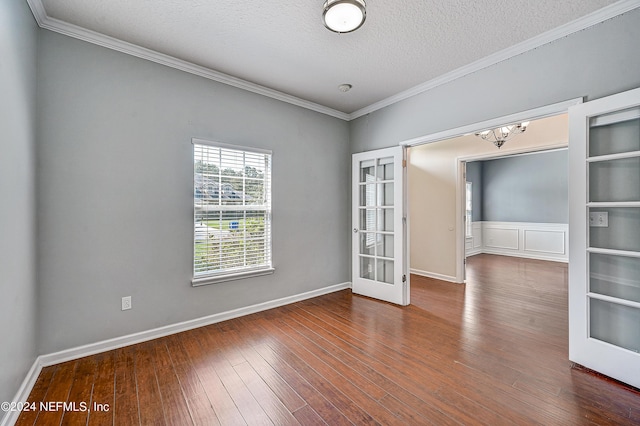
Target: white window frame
[(468, 199), (221, 275)]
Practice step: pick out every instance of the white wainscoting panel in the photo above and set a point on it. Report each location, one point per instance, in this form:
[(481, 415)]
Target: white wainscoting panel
[(473, 244), (545, 241), (502, 237)]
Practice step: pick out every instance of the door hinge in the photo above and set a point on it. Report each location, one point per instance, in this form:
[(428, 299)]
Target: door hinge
[(404, 278), (404, 163)]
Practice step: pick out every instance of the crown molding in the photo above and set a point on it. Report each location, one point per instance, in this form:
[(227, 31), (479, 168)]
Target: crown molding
[(74, 31), (569, 28), (80, 33)]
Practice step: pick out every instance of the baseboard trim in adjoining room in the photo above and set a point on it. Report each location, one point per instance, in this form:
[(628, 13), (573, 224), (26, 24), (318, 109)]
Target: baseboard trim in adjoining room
[(434, 275), (525, 256), (143, 336)]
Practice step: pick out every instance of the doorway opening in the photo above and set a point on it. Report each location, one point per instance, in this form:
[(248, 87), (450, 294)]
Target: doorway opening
[(437, 213), (517, 204)]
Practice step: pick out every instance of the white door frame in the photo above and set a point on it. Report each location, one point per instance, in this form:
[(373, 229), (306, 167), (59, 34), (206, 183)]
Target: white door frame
[(460, 193), (528, 115)]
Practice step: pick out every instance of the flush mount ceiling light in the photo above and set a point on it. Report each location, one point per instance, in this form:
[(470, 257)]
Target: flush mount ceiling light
[(344, 16), (500, 135)]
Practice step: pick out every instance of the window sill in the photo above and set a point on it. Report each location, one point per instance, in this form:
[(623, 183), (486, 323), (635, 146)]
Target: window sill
[(196, 282)]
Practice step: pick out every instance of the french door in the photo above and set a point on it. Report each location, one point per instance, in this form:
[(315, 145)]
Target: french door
[(604, 250), (379, 261)]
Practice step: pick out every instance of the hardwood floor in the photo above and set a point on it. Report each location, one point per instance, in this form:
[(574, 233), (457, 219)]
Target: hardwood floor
[(493, 352)]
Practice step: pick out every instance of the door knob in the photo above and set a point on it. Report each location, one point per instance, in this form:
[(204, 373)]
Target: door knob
[(355, 230)]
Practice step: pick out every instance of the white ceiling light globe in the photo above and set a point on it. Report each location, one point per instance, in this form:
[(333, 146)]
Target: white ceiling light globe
[(343, 16)]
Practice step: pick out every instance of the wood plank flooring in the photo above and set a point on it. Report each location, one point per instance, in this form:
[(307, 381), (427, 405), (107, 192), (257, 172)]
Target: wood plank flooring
[(491, 352)]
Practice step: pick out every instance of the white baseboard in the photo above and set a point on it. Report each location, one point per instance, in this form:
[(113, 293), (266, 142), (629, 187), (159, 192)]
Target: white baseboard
[(473, 252), (29, 381), (440, 277), (525, 256), (143, 336)]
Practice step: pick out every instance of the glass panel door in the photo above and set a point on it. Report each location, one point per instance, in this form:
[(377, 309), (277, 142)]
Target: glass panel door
[(614, 228), (604, 264), (378, 266)]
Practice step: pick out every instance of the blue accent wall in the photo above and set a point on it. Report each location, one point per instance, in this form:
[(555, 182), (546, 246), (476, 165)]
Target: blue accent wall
[(525, 188)]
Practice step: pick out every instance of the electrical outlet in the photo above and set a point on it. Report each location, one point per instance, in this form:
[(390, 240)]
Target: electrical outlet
[(599, 219), (126, 303)]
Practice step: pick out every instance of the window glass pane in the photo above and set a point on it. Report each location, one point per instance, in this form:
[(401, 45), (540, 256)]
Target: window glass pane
[(255, 165), (384, 245), (366, 268), (615, 324), (385, 220), (385, 271), (385, 194), (385, 168), (367, 171), (367, 243), (254, 191), (368, 195), (367, 220), (231, 162), (615, 138), (615, 276), (614, 180), (207, 254), (231, 190)]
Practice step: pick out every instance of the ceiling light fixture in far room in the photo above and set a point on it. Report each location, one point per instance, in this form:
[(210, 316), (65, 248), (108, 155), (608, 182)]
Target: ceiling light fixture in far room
[(344, 87), (344, 16), (502, 134)]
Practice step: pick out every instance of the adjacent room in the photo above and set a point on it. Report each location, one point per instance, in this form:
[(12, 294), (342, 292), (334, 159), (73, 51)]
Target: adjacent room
[(254, 213), (510, 199)]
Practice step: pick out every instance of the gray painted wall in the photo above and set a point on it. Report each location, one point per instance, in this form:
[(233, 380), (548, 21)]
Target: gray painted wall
[(18, 48), (527, 188), (474, 175), (596, 62), (115, 193)]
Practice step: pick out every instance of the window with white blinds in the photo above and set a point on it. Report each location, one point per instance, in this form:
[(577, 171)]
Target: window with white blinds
[(232, 212)]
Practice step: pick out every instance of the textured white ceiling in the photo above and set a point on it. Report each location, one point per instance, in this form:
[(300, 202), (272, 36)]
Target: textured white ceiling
[(283, 45)]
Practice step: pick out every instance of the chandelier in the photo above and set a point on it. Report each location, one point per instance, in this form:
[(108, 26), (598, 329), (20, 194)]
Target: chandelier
[(344, 16), (502, 134)]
